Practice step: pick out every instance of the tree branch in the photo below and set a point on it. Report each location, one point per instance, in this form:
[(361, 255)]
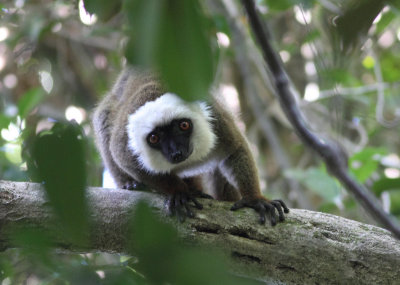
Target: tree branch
[(308, 248), (329, 151)]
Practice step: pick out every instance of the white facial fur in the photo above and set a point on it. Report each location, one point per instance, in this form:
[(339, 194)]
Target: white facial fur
[(160, 112)]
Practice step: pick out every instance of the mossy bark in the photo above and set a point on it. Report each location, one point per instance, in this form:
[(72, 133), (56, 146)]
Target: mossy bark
[(308, 248)]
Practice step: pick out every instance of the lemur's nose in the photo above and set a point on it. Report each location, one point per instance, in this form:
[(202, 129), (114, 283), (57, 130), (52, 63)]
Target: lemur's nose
[(177, 156)]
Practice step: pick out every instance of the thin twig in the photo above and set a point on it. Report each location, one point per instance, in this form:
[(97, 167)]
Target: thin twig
[(352, 91), (331, 153), (380, 104)]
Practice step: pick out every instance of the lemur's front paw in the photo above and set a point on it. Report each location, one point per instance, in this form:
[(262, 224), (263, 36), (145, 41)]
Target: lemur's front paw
[(178, 204), (264, 207)]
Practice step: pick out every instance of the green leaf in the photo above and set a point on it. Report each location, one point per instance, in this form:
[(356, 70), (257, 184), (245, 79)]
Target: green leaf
[(368, 62), (312, 35), (59, 160), (386, 19), (390, 60), (122, 275), (335, 75), (316, 180), (283, 5), (80, 275), (7, 268), (34, 243), (394, 3), (4, 121), (30, 100), (366, 162), (328, 207), (385, 184), (104, 9), (395, 202), (170, 36), (356, 20), (164, 259), (149, 235)]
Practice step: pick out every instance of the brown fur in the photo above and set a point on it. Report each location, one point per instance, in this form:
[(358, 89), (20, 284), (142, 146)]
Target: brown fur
[(133, 89)]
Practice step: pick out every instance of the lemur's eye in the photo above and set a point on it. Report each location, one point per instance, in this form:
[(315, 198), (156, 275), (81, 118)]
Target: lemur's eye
[(184, 125), (153, 139)]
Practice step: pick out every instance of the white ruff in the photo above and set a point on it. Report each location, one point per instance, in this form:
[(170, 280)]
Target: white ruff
[(161, 112)]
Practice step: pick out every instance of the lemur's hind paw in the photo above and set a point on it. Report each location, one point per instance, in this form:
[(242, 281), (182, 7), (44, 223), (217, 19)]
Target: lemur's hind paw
[(264, 207)]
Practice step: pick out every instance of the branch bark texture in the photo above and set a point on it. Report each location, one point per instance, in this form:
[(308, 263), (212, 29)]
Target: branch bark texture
[(308, 248)]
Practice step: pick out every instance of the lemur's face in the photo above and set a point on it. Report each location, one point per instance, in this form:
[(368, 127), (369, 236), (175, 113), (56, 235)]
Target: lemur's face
[(169, 133), (173, 140)]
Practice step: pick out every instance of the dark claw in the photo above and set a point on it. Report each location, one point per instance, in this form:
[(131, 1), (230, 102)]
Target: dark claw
[(178, 204), (285, 209), (180, 214), (264, 207), (196, 203), (189, 212), (273, 216), (278, 207), (127, 186), (132, 185), (238, 205), (261, 210)]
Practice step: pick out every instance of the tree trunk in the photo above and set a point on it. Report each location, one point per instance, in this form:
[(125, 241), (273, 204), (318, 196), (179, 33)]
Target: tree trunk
[(308, 248)]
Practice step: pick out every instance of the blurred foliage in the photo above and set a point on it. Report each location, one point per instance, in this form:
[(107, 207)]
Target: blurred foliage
[(56, 158), (171, 36), (57, 59), (318, 181), (163, 258), (364, 163), (353, 26)]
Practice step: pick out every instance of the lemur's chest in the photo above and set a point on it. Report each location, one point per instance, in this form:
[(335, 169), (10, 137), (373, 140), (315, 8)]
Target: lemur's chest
[(197, 168)]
